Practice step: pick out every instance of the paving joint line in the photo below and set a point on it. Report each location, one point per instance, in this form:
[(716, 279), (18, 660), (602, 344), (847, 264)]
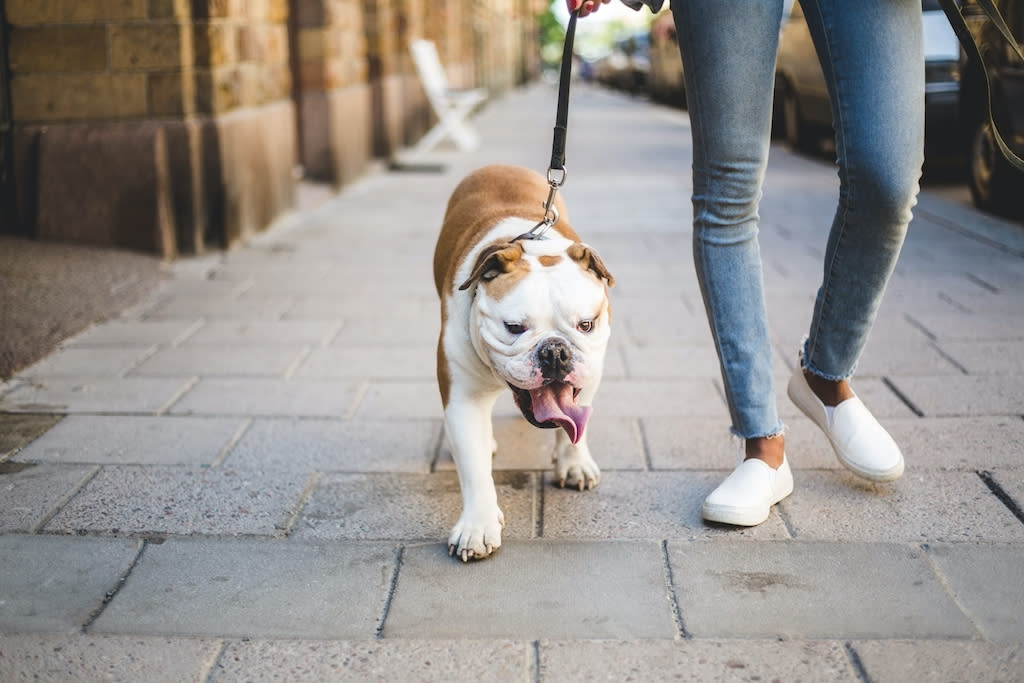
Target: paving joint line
[(64, 500), (950, 593), (214, 661), (112, 593), (178, 395), (232, 442), (858, 666), (645, 446), (1000, 493), (952, 361), (673, 600), (533, 661), (538, 507), (289, 524), (378, 632), (903, 397)]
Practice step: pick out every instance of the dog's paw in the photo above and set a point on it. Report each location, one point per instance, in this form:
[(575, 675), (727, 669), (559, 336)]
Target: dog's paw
[(476, 535), (575, 470)]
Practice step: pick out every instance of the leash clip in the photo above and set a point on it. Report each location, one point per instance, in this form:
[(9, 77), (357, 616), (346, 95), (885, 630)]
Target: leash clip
[(550, 211)]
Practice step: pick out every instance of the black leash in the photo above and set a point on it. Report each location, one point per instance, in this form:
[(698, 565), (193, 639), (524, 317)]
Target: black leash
[(956, 20), (556, 169)]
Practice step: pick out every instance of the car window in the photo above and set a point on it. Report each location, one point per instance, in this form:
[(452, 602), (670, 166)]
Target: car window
[(930, 5)]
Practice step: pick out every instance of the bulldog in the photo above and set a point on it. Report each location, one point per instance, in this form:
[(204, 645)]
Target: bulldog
[(530, 315)]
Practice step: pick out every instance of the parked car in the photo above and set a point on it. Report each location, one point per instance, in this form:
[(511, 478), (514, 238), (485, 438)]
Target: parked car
[(665, 81), (803, 114), (627, 66), (995, 185)]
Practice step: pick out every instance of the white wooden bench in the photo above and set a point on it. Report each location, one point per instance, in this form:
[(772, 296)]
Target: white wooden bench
[(452, 107)]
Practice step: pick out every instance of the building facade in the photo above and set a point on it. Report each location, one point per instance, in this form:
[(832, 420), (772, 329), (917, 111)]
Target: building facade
[(178, 126)]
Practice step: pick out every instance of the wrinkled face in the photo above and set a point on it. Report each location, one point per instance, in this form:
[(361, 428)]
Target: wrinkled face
[(541, 322)]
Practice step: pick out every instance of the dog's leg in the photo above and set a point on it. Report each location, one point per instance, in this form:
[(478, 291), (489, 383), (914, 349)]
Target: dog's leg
[(574, 467), (471, 434)]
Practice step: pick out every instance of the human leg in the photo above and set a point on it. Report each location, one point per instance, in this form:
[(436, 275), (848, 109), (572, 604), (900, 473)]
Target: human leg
[(728, 51), (872, 57)]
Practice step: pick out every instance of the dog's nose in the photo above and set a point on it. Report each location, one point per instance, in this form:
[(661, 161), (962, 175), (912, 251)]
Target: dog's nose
[(555, 359)]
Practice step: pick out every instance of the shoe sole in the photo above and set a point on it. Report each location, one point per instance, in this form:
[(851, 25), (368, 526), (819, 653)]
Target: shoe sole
[(722, 514)]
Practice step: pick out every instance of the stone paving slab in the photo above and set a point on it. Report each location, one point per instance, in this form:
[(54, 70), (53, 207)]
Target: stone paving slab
[(986, 582), (105, 658), (967, 443), (251, 588), (133, 440), (55, 583), (31, 492), (141, 332), (972, 327), (698, 660), (811, 590), (408, 507), (678, 360), (940, 661), (317, 308), (386, 329), (245, 360), (264, 397), (411, 362), (652, 505), (264, 308), (183, 500), (615, 444), (919, 507), (401, 400), (146, 395), (337, 445), (964, 395), (291, 332), (658, 398), (86, 361), (382, 660), (905, 358), (988, 358), (534, 589)]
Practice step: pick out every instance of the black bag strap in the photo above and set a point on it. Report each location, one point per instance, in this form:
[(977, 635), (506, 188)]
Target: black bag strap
[(956, 20)]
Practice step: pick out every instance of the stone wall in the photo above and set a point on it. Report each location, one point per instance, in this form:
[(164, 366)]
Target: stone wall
[(175, 126)]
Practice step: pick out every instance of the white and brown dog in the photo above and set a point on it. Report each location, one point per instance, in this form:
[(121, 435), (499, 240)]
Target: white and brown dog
[(530, 314)]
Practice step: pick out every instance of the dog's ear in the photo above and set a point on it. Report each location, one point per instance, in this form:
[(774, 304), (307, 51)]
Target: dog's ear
[(493, 261), (589, 260)]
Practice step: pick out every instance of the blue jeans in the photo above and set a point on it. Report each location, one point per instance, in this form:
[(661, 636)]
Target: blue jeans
[(872, 56)]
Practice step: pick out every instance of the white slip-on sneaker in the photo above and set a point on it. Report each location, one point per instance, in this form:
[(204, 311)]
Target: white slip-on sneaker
[(859, 441), (746, 496)]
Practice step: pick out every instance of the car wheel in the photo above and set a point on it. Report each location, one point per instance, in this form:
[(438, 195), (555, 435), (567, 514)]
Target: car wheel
[(995, 185)]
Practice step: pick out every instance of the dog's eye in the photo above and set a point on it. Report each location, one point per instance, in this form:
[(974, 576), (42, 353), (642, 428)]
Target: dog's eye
[(585, 326), (515, 328)]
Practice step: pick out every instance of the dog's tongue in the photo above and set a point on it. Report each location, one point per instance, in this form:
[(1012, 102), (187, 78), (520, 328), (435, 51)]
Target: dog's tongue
[(554, 403)]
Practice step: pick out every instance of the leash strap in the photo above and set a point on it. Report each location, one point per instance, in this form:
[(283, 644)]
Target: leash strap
[(956, 20), (562, 113), (556, 170)]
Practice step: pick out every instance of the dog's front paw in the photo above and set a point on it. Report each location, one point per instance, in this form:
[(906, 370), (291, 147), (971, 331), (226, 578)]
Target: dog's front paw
[(476, 535), (576, 470)]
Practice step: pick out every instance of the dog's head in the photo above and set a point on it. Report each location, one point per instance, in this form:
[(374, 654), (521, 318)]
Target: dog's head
[(541, 321)]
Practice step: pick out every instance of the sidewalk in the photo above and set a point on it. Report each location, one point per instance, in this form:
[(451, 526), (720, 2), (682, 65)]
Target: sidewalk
[(244, 476)]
